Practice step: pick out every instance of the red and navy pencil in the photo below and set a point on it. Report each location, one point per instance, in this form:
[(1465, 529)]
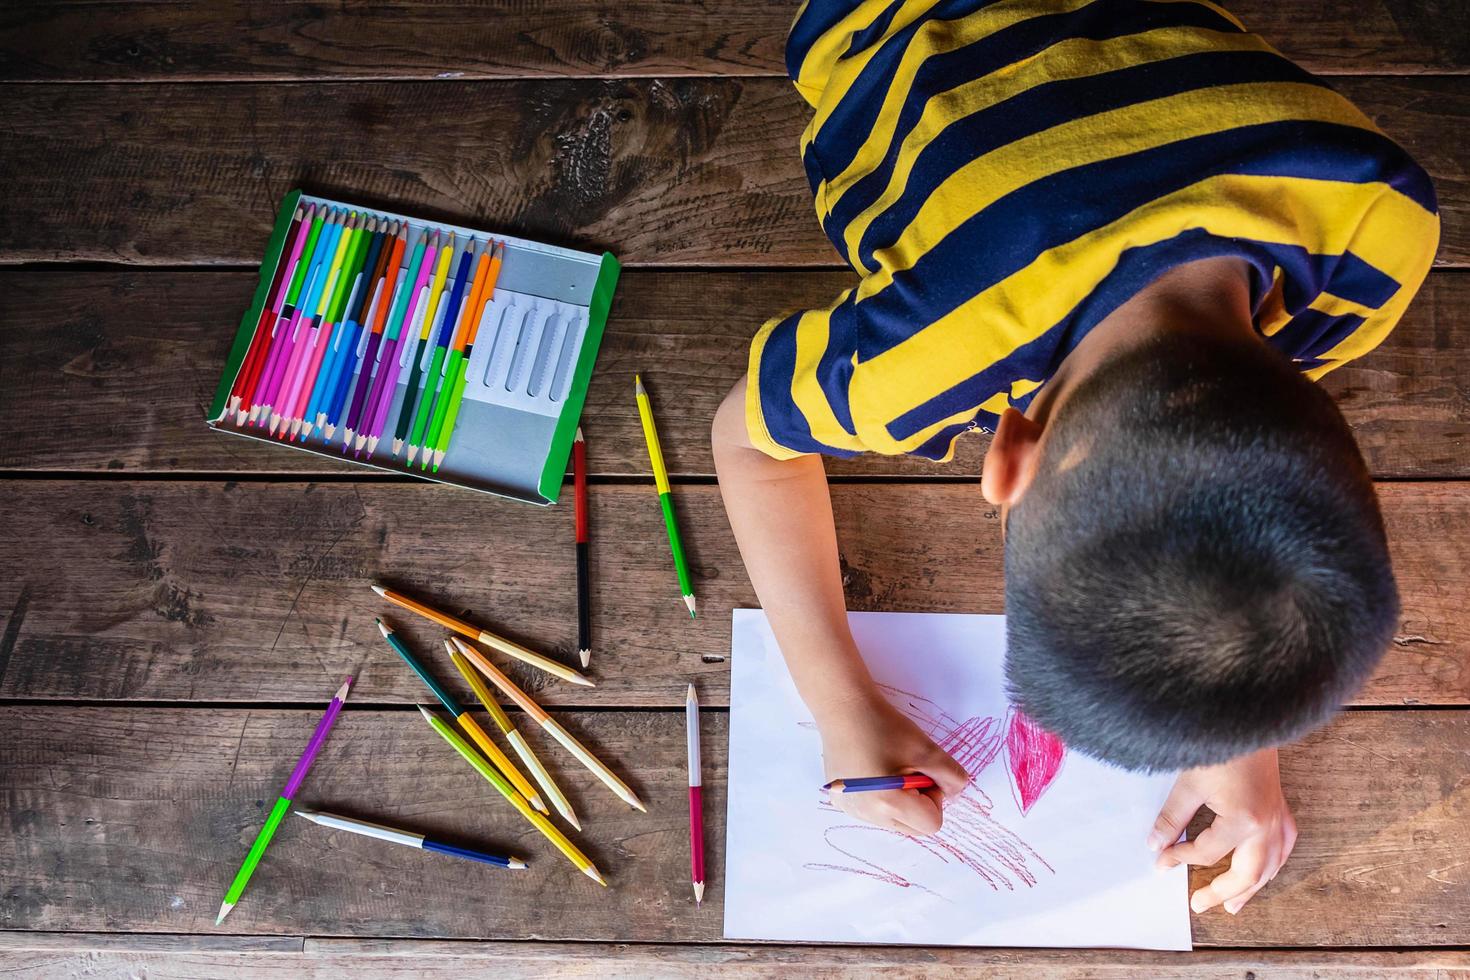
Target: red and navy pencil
[(869, 784)]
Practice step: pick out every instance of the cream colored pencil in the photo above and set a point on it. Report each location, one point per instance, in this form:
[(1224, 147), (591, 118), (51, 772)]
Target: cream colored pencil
[(576, 748), (514, 737), (484, 636)]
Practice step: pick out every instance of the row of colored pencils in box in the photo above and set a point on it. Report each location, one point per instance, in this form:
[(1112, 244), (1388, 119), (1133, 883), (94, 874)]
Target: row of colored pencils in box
[(354, 300)]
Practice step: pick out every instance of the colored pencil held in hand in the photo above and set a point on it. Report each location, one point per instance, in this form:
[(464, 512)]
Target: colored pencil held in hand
[(507, 647), (876, 784), (283, 802), (665, 492)]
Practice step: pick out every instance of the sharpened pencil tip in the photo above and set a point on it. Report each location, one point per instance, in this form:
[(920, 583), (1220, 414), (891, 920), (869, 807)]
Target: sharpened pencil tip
[(308, 814), (381, 591), (518, 863), (699, 893), (584, 681), (638, 384), (690, 601), (224, 910), (691, 697), (592, 873), (579, 435), (341, 694), (428, 715), (637, 804), (383, 628), (586, 657)]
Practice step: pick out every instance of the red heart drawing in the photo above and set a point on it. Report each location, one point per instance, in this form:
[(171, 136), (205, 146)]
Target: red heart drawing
[(1034, 756)]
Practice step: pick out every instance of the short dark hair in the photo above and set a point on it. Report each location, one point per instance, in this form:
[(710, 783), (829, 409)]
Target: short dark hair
[(1198, 569)]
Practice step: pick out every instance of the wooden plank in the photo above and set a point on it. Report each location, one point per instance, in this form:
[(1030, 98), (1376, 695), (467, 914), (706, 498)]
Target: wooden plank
[(106, 955), (233, 40), (113, 371), (259, 592), (667, 171), (136, 819)]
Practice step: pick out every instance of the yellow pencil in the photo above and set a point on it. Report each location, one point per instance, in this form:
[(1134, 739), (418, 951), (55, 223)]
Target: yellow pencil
[(515, 738), (492, 641), (435, 289), (547, 828), (665, 493), (470, 726), (576, 748)]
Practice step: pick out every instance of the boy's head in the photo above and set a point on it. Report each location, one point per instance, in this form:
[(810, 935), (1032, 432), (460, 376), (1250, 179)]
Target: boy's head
[(1197, 566)]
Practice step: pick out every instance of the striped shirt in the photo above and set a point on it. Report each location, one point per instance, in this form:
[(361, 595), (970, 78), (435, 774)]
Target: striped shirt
[(1002, 175)]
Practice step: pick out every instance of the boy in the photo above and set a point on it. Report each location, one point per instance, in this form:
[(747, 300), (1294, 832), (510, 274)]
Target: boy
[(1125, 236)]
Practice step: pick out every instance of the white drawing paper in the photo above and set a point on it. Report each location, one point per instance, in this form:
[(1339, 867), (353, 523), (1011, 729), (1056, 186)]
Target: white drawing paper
[(1044, 848)]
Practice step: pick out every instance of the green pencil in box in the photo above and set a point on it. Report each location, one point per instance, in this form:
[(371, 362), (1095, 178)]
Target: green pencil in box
[(481, 394)]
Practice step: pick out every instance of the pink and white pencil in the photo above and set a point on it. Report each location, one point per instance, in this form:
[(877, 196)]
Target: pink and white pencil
[(696, 798)]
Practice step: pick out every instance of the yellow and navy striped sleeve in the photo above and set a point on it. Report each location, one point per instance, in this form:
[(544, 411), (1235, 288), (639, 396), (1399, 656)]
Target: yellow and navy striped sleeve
[(1002, 175)]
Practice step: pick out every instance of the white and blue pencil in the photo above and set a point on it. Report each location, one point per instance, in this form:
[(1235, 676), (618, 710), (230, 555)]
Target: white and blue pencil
[(408, 839)]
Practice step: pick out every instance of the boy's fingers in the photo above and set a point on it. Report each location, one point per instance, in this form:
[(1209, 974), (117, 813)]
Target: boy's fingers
[(1210, 846), (948, 774), (1235, 904), (917, 813), (905, 811), (1250, 867), (1183, 802)]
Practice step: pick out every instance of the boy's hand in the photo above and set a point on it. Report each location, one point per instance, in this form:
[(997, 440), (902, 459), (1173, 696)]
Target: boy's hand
[(873, 738), (1251, 819)]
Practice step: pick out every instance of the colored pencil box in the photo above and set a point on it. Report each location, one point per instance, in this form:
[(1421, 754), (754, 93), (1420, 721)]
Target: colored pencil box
[(525, 379)]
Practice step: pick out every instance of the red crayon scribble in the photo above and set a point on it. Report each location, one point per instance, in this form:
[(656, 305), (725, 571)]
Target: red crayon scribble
[(971, 837), (1035, 756)]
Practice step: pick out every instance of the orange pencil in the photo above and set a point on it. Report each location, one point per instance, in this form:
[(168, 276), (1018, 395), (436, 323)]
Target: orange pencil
[(492, 641)]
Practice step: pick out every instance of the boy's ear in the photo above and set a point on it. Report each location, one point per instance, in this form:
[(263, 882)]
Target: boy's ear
[(1011, 460)]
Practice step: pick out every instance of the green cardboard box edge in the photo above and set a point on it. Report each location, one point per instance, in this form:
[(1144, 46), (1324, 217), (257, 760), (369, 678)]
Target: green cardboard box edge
[(246, 330), (553, 473)]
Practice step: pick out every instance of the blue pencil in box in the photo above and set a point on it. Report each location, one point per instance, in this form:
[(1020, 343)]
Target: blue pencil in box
[(414, 346)]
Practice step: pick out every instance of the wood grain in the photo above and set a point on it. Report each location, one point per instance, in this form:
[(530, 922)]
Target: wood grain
[(674, 171), (258, 592), (137, 818), (126, 957), (112, 371), (237, 40)]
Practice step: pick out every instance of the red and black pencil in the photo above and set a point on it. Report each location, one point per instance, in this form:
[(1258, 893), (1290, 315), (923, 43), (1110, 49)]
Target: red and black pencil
[(584, 558)]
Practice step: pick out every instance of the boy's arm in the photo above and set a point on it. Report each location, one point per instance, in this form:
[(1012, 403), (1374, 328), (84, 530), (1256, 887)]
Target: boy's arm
[(782, 517)]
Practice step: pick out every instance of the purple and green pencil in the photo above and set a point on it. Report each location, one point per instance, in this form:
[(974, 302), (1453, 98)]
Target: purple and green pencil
[(283, 802)]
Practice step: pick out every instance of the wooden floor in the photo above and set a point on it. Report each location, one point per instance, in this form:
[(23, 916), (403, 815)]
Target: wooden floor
[(177, 604)]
